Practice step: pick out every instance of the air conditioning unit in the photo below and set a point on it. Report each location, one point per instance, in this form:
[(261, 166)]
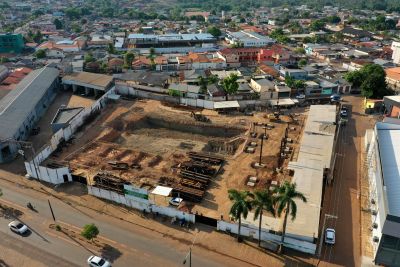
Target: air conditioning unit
[(375, 225), (375, 239), (373, 201), (374, 212)]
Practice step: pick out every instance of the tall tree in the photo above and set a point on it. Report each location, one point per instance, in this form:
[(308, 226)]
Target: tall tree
[(286, 194), (214, 31), (152, 57), (263, 201), (202, 82), (371, 79), (240, 207), (129, 58), (230, 84), (58, 24)]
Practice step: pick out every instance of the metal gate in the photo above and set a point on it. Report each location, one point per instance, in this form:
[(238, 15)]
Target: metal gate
[(206, 220), (79, 179)]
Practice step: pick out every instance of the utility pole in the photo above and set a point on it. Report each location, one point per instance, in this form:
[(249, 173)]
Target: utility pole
[(189, 255), (51, 209), (321, 237), (261, 148)]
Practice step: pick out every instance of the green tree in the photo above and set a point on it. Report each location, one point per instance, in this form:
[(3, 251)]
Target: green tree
[(263, 201), (129, 58), (230, 84), (371, 79), (300, 50), (302, 62), (58, 24), (152, 57), (333, 19), (286, 195), (37, 37), (317, 25), (202, 82), (111, 48), (89, 58), (240, 207), (214, 31), (90, 231), (40, 53)]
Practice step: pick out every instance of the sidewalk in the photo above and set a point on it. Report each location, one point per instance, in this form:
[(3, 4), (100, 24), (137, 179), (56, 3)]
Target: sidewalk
[(207, 238)]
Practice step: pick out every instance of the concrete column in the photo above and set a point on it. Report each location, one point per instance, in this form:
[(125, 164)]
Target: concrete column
[(74, 88), (96, 92), (65, 87)]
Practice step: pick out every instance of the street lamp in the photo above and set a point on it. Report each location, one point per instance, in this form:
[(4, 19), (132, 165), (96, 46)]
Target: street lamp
[(329, 216), (189, 255)]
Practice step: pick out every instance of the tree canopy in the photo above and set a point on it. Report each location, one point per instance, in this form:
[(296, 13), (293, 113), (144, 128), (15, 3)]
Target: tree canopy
[(90, 231), (40, 53), (230, 84), (214, 31), (371, 79)]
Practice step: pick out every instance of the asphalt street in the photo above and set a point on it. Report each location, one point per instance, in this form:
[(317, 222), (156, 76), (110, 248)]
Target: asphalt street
[(129, 247)]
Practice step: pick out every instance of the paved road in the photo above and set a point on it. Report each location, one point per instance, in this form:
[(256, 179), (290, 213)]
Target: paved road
[(342, 198), (130, 245), (32, 251)]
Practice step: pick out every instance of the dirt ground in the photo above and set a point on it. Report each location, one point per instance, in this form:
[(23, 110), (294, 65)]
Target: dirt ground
[(157, 137)]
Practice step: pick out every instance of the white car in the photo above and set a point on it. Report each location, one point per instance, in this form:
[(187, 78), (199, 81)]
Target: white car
[(330, 236), (95, 261), (18, 227), (300, 96), (176, 201)]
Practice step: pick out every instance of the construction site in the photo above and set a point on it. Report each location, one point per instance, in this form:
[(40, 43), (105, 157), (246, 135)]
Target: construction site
[(199, 153)]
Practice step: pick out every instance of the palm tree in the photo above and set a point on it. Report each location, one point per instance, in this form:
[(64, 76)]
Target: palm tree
[(263, 201), (285, 201), (240, 207)]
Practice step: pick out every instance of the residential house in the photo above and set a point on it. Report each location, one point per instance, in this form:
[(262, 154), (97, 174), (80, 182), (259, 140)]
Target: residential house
[(265, 88), (201, 61), (297, 74), (352, 34), (393, 78)]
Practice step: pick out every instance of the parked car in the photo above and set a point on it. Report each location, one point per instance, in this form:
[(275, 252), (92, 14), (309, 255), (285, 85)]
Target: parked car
[(175, 201), (344, 112), (95, 261), (300, 96), (330, 236), (18, 227), (336, 98)]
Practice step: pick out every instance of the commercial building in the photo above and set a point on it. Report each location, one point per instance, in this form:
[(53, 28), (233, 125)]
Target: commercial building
[(383, 173), (248, 39), (167, 43), (22, 108), (11, 43), (88, 83)]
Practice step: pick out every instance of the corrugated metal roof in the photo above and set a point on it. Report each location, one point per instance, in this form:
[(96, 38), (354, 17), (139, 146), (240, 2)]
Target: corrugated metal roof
[(16, 106), (389, 150), (314, 155)]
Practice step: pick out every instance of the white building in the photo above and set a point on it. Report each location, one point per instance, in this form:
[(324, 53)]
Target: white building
[(248, 39), (383, 172), (396, 52)]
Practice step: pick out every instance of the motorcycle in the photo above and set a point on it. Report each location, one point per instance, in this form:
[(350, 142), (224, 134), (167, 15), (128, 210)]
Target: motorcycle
[(30, 206)]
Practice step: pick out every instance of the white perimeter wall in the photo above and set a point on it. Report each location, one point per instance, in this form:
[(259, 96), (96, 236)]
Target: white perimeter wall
[(55, 176), (139, 204), (252, 232)]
